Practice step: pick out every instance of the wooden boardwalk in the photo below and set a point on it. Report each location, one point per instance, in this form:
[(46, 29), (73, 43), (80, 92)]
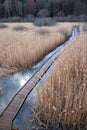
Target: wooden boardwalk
[(14, 106)]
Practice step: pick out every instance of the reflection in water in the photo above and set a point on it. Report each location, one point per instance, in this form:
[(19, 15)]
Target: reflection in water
[(2, 90), (12, 84), (25, 119), (22, 82)]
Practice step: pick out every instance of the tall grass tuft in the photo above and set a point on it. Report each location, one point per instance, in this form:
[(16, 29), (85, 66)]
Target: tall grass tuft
[(21, 50), (20, 28), (85, 27), (63, 98), (43, 32), (2, 26)]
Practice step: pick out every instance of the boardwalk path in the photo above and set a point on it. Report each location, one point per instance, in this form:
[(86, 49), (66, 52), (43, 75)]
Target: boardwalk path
[(13, 108)]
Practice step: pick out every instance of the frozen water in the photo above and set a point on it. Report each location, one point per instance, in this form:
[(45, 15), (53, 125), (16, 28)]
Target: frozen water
[(12, 84)]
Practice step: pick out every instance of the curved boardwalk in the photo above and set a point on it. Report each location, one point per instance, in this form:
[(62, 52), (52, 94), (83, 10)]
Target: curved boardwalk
[(13, 108)]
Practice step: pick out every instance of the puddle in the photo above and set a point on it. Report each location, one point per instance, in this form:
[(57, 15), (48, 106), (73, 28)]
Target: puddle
[(10, 85)]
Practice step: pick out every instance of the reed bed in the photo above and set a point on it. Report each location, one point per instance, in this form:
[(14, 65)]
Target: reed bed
[(23, 44), (63, 98)]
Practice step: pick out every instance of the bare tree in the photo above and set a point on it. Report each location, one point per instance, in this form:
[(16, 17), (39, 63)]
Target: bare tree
[(7, 7)]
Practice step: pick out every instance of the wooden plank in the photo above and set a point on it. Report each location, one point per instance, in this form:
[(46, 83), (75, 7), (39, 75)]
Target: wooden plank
[(17, 102)]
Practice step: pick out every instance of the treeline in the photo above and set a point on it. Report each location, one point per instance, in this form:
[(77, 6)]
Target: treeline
[(42, 8)]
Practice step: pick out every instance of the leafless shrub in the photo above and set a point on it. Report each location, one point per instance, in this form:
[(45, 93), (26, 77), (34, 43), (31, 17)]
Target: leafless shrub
[(4, 20), (60, 19), (20, 28), (2, 26), (43, 32), (29, 18), (71, 18), (43, 13), (44, 22), (14, 19)]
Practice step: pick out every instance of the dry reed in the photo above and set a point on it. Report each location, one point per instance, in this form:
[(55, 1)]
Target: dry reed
[(20, 50), (63, 98)]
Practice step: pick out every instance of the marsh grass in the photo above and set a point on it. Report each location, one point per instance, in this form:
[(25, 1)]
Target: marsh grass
[(43, 32), (22, 49), (25, 54), (63, 31), (2, 26), (85, 27), (63, 98), (20, 28)]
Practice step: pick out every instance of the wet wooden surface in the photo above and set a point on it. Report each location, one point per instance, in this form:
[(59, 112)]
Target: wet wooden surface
[(13, 108), (15, 105)]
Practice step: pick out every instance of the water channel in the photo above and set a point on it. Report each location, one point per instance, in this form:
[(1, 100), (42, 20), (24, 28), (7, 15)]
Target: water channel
[(10, 85)]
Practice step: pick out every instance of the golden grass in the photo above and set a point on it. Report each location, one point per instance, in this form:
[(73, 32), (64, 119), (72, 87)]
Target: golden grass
[(63, 98), (21, 49)]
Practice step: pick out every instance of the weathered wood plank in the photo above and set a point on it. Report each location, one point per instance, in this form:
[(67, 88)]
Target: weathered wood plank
[(17, 102)]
